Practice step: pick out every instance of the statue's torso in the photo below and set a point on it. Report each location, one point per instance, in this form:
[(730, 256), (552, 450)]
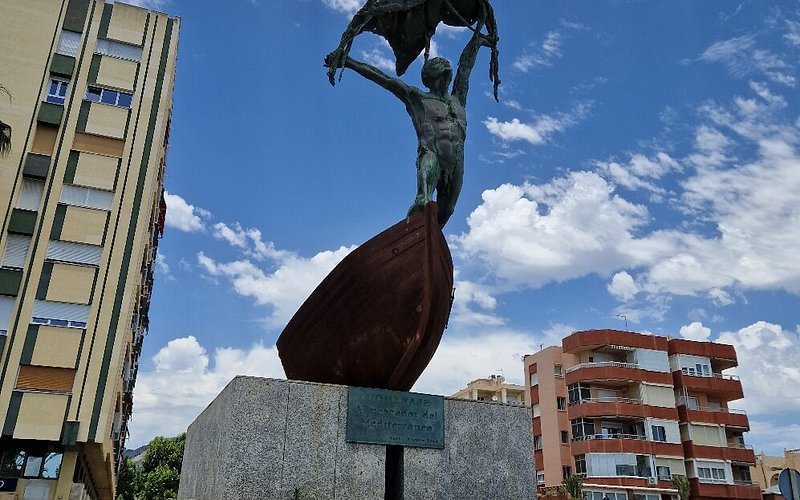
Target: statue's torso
[(441, 124)]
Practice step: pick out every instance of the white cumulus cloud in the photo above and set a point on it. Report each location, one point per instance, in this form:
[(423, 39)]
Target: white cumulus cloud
[(768, 368), (695, 331), (184, 216), (185, 379)]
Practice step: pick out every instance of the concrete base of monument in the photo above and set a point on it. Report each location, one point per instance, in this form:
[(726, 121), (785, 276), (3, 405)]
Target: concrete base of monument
[(285, 439)]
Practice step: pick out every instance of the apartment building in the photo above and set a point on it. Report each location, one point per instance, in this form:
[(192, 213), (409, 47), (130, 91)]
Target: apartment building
[(627, 412), (493, 388), (82, 211)]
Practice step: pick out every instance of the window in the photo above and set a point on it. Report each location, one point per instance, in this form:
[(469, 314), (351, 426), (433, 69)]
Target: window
[(566, 471), (663, 472), (57, 93), (108, 96), (30, 196), (604, 495), (540, 477), (76, 253), (6, 305), (558, 370), (119, 50), (62, 314), (537, 442), (580, 465), (537, 411), (626, 470), (564, 437), (711, 473), (688, 371), (561, 403), (16, 250), (12, 461), (69, 44), (582, 427), (86, 197), (659, 433), (578, 393), (534, 379)]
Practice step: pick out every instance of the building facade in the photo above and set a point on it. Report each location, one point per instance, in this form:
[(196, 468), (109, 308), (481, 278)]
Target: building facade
[(494, 388), (627, 412), (767, 468), (81, 193)]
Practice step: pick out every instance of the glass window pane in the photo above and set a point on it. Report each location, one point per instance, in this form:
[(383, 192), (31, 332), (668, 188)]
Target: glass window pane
[(11, 462), (124, 100), (62, 90), (93, 94), (52, 465), (32, 466), (109, 97), (53, 87)]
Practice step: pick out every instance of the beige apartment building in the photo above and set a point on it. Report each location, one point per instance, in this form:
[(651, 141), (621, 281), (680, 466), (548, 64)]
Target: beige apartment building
[(627, 412), (81, 193), (495, 389), (767, 468)]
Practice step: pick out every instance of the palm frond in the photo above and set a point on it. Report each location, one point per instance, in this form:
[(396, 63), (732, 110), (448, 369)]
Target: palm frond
[(5, 138)]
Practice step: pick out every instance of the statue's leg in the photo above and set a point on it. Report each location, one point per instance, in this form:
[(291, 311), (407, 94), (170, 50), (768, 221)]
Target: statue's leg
[(427, 179), (448, 190)]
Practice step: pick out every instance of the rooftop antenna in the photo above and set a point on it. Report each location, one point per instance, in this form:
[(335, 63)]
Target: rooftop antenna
[(625, 318), (541, 346)]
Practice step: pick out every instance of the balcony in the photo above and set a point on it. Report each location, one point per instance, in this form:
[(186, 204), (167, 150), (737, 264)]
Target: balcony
[(723, 356), (618, 406), (743, 455), (614, 370), (724, 490), (623, 443), (726, 387), (593, 339), (714, 415)]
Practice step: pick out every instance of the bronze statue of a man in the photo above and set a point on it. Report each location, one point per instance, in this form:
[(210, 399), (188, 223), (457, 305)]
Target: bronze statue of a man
[(439, 119)]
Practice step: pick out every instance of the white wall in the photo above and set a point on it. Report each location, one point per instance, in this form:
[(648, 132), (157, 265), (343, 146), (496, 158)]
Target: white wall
[(678, 361), (671, 429)]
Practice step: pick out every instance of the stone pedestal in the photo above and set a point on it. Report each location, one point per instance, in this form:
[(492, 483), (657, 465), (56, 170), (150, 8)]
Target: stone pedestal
[(283, 439)]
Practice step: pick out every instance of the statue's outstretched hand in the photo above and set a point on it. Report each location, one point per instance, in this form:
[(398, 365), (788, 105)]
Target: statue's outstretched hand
[(334, 61)]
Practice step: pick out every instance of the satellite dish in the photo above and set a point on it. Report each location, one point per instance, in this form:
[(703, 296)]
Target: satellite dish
[(789, 484)]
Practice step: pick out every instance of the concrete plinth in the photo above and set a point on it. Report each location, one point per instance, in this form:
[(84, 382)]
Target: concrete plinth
[(278, 439)]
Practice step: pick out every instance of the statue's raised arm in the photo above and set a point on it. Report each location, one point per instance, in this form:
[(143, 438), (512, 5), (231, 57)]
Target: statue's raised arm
[(409, 25)]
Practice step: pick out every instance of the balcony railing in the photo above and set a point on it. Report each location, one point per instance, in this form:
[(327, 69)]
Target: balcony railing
[(722, 376), (611, 364), (587, 437), (609, 399), (715, 409)]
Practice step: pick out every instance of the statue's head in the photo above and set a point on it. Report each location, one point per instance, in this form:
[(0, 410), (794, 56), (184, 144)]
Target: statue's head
[(434, 69)]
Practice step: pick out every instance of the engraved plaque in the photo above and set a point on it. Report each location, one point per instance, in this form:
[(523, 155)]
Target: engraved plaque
[(378, 416)]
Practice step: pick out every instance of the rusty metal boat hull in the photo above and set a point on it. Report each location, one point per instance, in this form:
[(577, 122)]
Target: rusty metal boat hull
[(377, 318)]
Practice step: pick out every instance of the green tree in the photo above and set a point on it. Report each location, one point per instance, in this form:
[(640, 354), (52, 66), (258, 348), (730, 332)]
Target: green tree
[(5, 129), (160, 471), (126, 481), (573, 486), (681, 483)]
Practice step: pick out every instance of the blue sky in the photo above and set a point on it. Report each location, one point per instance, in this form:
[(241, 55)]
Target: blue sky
[(644, 161)]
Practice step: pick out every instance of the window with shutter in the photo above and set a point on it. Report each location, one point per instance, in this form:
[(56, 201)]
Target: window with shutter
[(74, 253), (69, 44), (16, 251), (30, 195), (45, 378)]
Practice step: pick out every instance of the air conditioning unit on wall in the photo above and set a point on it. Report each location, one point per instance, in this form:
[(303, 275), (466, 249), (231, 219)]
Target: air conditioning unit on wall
[(651, 481)]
